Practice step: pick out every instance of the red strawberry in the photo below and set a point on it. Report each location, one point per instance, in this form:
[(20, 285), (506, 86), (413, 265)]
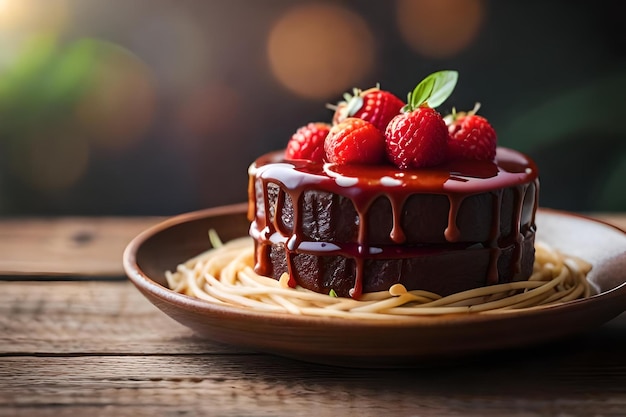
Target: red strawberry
[(308, 142), (417, 139), (471, 137), (355, 141), (374, 105)]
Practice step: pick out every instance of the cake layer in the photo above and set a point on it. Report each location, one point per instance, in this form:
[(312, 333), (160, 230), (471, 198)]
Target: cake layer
[(424, 218), (365, 228), (443, 271)]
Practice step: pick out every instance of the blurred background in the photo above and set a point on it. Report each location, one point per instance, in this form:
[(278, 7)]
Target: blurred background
[(155, 107)]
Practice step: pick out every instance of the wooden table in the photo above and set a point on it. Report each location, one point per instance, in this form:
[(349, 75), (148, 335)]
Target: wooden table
[(78, 339)]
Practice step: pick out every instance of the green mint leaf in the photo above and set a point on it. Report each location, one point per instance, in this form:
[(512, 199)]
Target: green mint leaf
[(422, 92), (433, 90), (332, 293), (445, 81)]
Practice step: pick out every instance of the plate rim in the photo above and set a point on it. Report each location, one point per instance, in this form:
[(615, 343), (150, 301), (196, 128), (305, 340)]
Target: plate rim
[(148, 285)]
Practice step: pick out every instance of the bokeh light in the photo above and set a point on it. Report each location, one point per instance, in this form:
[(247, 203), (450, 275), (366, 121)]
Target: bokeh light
[(60, 101), (20, 20), (51, 160), (27, 15), (119, 104), (171, 95), (171, 28), (320, 50), (210, 109), (38, 89), (439, 28)]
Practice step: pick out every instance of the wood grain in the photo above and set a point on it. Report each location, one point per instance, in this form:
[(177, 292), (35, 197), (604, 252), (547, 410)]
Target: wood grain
[(260, 385), (79, 318), (99, 347), (68, 246)]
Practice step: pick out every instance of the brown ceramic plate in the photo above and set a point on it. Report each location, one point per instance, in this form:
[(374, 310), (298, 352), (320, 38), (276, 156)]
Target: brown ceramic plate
[(378, 343)]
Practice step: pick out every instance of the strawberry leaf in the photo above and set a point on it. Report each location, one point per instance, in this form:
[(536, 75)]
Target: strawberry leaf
[(433, 90), (421, 92), (445, 81)]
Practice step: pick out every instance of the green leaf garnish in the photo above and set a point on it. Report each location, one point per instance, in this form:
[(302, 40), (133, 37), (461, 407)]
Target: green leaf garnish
[(432, 90), (445, 81), (332, 293), (421, 92), (214, 238)]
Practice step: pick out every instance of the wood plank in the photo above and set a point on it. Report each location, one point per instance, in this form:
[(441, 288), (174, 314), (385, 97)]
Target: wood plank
[(67, 245), (73, 348), (263, 385), (84, 246), (76, 318)]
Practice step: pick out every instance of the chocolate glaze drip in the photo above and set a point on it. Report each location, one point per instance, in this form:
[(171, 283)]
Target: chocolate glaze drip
[(357, 229)]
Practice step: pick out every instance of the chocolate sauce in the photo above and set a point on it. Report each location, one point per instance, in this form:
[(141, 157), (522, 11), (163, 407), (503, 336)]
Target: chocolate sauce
[(303, 211)]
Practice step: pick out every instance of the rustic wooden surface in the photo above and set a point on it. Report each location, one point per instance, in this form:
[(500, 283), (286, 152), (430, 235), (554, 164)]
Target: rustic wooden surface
[(67, 246), (77, 339)]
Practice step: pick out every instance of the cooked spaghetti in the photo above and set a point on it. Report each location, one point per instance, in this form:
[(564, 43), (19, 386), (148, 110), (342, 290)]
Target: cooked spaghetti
[(225, 275)]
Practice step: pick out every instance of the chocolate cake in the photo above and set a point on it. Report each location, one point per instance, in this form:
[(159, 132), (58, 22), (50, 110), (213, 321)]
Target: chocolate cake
[(394, 193), (355, 229)]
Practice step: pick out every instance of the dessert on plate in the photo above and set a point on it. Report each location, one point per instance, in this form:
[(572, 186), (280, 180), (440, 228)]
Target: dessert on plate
[(393, 193)]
